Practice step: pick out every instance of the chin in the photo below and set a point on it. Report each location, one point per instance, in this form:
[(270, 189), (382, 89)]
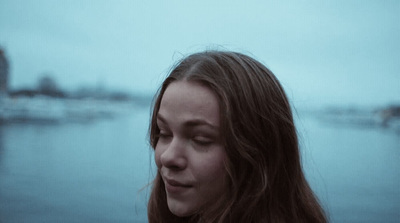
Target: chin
[(180, 213), (180, 210)]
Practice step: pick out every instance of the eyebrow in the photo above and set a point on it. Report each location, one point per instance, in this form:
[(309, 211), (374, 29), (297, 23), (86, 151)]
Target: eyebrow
[(191, 122)]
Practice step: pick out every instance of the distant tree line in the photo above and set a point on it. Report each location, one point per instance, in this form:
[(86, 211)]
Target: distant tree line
[(47, 86)]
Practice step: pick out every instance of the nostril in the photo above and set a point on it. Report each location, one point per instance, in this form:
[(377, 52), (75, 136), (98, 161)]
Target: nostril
[(175, 163), (175, 167), (172, 154), (173, 160)]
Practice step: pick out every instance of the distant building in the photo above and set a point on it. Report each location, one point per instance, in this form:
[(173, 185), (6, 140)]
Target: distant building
[(3, 74)]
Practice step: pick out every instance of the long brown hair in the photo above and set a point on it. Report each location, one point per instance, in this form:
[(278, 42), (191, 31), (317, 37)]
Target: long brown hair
[(266, 181)]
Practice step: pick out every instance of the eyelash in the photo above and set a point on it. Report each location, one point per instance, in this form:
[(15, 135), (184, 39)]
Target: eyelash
[(161, 135), (200, 142), (204, 142)]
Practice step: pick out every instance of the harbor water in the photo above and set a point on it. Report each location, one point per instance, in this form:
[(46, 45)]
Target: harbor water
[(99, 171)]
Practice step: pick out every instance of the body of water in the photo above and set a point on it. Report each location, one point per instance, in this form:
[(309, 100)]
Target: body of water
[(355, 170), (98, 171)]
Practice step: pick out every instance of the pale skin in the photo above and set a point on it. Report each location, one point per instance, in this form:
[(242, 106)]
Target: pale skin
[(189, 153)]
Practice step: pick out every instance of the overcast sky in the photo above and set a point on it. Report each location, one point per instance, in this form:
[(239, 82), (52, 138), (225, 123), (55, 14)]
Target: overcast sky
[(323, 52)]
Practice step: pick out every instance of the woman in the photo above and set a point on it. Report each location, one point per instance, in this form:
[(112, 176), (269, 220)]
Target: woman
[(226, 146)]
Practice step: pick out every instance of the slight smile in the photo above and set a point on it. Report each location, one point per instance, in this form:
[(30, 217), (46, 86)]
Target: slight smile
[(173, 186)]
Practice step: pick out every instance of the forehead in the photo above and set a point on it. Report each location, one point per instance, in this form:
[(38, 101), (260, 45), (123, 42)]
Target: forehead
[(189, 100)]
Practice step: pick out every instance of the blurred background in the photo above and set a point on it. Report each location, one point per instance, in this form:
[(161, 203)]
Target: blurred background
[(77, 79)]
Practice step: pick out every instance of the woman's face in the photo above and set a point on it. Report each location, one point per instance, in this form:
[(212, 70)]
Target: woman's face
[(189, 152)]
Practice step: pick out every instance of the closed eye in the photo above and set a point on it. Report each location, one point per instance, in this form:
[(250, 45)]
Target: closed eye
[(202, 141), (164, 135)]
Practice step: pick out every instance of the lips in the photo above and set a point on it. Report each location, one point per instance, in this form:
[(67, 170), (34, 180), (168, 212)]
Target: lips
[(174, 187)]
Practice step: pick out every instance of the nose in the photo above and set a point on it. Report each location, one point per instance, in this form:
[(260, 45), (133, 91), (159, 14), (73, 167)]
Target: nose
[(174, 155)]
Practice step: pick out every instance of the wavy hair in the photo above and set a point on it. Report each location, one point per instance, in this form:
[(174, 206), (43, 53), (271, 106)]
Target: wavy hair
[(266, 180)]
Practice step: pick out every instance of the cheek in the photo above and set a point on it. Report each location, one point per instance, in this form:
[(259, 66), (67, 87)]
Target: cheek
[(212, 177), (157, 155), (211, 168)]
